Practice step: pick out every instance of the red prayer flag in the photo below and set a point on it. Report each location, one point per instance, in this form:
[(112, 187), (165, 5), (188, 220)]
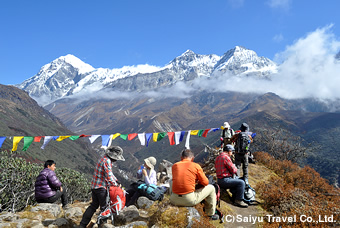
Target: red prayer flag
[(37, 138), (171, 136), (132, 136), (205, 132)]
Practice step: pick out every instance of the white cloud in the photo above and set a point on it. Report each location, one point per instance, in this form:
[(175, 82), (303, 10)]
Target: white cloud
[(278, 38), (279, 4), (308, 69)]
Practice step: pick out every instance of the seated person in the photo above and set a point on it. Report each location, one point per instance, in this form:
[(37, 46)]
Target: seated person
[(48, 188), (146, 173), (185, 175), (226, 173)]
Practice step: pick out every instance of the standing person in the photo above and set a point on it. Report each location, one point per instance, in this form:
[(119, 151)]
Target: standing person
[(227, 134), (48, 188), (146, 173), (226, 172), (185, 174), (242, 141), (102, 178)]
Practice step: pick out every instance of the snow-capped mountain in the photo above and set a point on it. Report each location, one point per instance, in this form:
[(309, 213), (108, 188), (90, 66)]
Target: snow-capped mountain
[(245, 62), (69, 75)]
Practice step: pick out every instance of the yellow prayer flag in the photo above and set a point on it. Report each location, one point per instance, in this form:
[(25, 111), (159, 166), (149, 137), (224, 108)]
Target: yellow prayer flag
[(16, 140), (194, 132), (61, 138), (155, 136), (115, 136)]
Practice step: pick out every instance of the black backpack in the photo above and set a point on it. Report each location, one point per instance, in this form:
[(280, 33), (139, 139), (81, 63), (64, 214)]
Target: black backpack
[(151, 191), (218, 197), (242, 143)]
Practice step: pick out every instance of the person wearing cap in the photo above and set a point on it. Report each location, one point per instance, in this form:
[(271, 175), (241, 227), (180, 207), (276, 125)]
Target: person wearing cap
[(101, 180), (241, 157), (186, 175), (226, 176), (146, 173), (227, 134)]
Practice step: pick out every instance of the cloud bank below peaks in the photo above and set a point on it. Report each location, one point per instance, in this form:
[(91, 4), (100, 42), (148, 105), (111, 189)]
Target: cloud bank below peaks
[(307, 69)]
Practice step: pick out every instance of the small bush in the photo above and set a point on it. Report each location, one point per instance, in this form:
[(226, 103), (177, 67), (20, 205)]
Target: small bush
[(18, 177)]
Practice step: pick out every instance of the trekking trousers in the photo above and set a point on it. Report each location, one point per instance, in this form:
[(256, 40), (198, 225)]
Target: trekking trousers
[(98, 199), (58, 195), (206, 193), (242, 159)]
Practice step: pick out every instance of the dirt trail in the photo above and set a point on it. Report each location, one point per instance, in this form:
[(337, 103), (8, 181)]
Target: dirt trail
[(237, 217)]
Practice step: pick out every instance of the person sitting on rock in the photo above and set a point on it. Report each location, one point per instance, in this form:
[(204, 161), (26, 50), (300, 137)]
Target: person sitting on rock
[(146, 173), (185, 175), (48, 188), (226, 173)]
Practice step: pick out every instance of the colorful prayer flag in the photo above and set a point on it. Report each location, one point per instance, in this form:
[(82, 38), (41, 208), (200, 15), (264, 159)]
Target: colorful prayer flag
[(171, 136), (16, 140), (27, 142)]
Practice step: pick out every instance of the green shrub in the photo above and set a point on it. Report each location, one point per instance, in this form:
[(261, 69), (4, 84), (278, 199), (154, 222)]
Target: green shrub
[(18, 177)]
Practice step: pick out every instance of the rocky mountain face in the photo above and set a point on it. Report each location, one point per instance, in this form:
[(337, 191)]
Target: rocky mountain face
[(68, 75)]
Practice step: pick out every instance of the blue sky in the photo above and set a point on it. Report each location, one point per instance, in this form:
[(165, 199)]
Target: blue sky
[(112, 34)]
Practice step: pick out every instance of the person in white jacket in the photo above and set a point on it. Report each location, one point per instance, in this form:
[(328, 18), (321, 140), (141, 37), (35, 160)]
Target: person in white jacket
[(147, 174)]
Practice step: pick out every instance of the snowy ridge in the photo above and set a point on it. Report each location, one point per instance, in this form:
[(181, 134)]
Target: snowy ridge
[(68, 75)]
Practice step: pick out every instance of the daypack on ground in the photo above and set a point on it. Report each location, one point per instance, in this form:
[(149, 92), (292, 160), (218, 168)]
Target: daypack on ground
[(151, 191), (249, 194), (242, 142), (218, 197)]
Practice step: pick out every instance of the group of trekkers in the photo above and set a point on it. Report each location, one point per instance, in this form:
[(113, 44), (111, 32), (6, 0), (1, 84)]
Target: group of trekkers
[(188, 187)]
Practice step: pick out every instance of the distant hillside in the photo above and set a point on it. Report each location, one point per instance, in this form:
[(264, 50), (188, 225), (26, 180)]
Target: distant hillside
[(305, 118), (20, 115)]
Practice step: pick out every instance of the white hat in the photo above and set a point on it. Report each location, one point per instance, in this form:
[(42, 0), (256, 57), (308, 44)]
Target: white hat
[(150, 162), (226, 125)]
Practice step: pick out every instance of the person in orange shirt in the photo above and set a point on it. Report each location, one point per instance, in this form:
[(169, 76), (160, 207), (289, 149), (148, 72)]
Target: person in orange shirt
[(185, 175)]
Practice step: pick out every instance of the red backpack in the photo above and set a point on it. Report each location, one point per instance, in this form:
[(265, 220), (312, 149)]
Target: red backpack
[(114, 192)]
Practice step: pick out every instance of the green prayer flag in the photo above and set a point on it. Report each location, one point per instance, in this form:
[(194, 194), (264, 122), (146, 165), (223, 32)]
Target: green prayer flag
[(74, 137), (27, 142), (200, 132), (161, 135), (125, 136)]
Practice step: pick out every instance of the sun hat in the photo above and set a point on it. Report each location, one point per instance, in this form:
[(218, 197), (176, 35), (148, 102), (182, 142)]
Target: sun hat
[(226, 125), (150, 162), (115, 152)]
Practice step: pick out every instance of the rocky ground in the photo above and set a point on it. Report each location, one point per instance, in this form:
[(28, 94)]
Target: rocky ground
[(145, 214)]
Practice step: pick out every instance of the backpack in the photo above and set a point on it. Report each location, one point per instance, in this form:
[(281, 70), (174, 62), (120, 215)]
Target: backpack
[(117, 196), (249, 194), (115, 202), (218, 197), (242, 143), (151, 191)]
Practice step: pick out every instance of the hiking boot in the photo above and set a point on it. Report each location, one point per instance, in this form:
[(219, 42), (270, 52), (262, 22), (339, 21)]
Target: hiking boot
[(240, 203), (214, 217)]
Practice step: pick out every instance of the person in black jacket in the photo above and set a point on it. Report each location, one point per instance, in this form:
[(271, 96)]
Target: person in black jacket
[(48, 188)]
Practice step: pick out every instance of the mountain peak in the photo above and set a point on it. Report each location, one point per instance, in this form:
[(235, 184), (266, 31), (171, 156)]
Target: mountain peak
[(188, 52), (75, 62)]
